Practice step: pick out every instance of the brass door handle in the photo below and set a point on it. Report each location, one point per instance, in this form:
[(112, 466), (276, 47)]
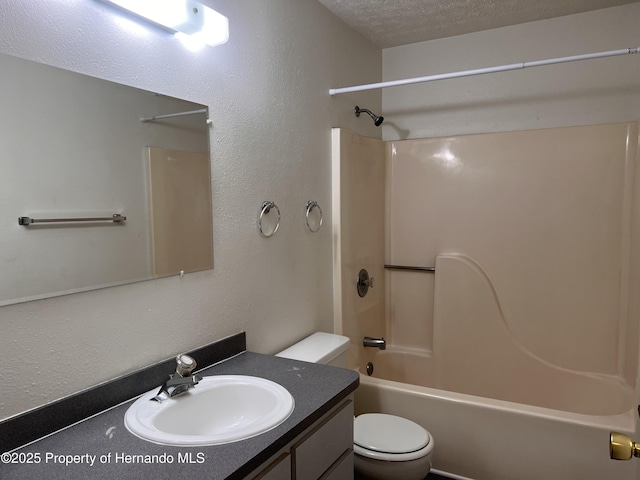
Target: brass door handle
[(622, 447)]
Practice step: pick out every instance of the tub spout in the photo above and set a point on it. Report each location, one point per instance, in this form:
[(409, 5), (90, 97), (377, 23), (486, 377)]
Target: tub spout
[(374, 342)]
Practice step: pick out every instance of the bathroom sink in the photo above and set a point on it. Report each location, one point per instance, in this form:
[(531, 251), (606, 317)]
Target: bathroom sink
[(219, 409)]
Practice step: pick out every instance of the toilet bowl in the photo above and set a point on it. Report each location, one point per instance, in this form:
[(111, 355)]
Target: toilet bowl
[(386, 447), (389, 447)]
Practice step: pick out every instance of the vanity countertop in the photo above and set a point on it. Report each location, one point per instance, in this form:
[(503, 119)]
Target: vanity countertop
[(102, 447)]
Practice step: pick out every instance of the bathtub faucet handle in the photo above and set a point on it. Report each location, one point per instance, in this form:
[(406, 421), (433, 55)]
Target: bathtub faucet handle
[(364, 282), (374, 342)]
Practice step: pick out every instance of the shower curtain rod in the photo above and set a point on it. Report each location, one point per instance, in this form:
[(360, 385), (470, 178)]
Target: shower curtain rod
[(480, 71)]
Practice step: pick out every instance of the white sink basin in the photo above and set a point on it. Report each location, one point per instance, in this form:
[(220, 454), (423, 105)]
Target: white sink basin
[(219, 409)]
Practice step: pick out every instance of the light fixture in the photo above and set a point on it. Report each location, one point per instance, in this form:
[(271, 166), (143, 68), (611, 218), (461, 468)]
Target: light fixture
[(190, 18)]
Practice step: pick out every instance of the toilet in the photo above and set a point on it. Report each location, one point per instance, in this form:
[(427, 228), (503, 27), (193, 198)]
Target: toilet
[(386, 447)]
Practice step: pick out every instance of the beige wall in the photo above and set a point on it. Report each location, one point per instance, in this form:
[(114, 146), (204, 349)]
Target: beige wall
[(581, 93), (267, 90), (358, 230), (533, 235), (546, 215)]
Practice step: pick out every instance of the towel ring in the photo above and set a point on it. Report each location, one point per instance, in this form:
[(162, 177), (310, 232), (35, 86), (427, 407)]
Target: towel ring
[(266, 208), (311, 204)]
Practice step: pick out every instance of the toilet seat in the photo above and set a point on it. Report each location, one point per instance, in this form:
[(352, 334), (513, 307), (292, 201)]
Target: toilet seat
[(387, 437)]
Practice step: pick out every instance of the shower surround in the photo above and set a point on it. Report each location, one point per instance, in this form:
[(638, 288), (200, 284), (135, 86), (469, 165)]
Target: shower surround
[(531, 311)]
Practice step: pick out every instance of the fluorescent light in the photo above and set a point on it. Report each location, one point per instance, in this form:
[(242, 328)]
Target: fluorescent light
[(185, 16)]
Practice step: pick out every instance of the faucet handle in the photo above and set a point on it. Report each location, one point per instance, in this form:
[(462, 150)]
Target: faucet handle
[(186, 365)]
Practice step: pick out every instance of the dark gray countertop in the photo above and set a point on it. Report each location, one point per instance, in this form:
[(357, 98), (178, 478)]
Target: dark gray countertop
[(104, 440)]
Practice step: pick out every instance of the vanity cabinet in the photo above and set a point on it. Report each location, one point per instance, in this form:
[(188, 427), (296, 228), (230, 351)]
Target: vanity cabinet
[(322, 452), (279, 469), (309, 445)]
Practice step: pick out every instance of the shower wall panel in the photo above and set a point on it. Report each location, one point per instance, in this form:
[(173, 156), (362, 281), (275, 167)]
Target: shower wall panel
[(358, 226), (546, 213)]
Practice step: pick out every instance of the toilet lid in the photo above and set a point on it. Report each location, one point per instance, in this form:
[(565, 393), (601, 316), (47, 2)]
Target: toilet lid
[(388, 434)]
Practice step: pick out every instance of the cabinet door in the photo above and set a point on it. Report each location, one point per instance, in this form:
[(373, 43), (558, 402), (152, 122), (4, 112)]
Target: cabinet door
[(316, 452), (280, 469), (342, 469)]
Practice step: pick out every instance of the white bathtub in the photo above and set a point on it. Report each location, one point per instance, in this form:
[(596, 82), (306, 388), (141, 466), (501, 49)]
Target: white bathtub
[(489, 439), (519, 355)]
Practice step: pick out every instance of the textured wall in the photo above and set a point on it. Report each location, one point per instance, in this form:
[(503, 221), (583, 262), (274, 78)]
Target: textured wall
[(267, 90), (390, 24), (582, 93)]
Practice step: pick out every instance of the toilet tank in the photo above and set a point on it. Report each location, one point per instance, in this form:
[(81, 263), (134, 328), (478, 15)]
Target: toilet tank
[(324, 348)]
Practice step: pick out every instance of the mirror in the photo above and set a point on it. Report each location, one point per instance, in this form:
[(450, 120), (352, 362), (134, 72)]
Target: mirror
[(78, 147)]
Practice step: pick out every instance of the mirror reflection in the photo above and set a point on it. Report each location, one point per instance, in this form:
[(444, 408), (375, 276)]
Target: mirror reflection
[(78, 147)]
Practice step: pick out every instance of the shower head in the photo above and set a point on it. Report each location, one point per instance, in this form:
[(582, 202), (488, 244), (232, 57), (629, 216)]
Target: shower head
[(376, 119)]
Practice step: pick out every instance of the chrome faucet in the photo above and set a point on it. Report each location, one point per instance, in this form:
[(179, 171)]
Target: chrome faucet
[(179, 382), (374, 342)]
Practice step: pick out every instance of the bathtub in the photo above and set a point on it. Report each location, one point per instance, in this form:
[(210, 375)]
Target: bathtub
[(519, 355), (492, 439)]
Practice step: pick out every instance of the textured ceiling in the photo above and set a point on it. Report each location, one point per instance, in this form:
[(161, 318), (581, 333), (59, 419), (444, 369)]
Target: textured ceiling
[(389, 23)]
